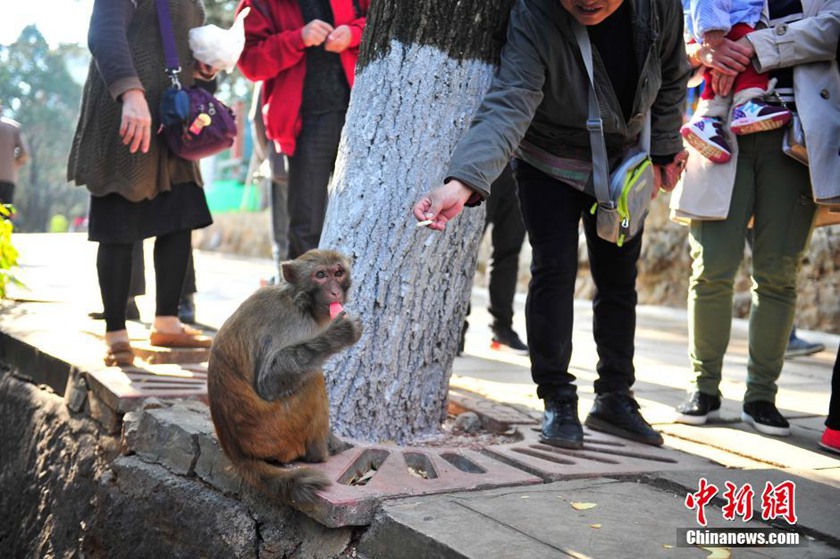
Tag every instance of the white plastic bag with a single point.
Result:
(217, 47)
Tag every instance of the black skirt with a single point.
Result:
(115, 220)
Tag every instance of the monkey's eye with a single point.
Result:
(339, 273)
(320, 274)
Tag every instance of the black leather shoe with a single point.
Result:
(765, 417)
(561, 425)
(186, 309)
(697, 408)
(617, 413)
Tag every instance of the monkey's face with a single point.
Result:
(330, 284)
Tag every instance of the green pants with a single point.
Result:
(775, 190)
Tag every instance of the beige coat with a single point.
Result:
(810, 45)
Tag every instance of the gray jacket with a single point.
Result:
(539, 92)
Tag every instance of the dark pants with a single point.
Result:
(833, 419)
(114, 266)
(137, 285)
(7, 192)
(552, 211)
(310, 169)
(507, 237)
(279, 208)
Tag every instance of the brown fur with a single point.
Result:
(274, 345)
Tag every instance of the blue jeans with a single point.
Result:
(552, 211)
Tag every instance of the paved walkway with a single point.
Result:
(631, 518)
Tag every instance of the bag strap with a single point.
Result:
(167, 37)
(595, 125)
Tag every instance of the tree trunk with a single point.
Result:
(424, 68)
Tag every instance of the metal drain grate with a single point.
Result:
(364, 476)
(601, 454)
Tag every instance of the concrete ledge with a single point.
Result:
(624, 519)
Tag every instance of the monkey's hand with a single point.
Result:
(344, 331)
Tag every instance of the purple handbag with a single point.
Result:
(209, 128)
(195, 123)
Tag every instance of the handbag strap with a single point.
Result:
(595, 125)
(167, 37)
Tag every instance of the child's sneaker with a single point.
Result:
(706, 136)
(756, 115)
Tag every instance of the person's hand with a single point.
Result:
(667, 176)
(136, 122)
(205, 72)
(714, 38)
(442, 204)
(339, 39)
(721, 83)
(729, 57)
(315, 32)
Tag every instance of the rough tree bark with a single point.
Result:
(424, 68)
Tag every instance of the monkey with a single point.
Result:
(265, 383)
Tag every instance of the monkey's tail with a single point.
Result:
(296, 486)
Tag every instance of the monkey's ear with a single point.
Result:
(289, 272)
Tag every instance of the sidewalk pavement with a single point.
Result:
(625, 515)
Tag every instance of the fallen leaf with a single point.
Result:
(667, 546)
(596, 526)
(717, 552)
(583, 506)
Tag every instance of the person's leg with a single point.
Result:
(507, 235)
(186, 302)
(172, 253)
(750, 112)
(784, 217)
(833, 419)
(830, 439)
(613, 268)
(551, 212)
(279, 208)
(717, 248)
(310, 169)
(798, 347)
(7, 192)
(113, 266)
(171, 256)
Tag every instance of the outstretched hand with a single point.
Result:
(442, 204)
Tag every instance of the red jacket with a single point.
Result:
(274, 54)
